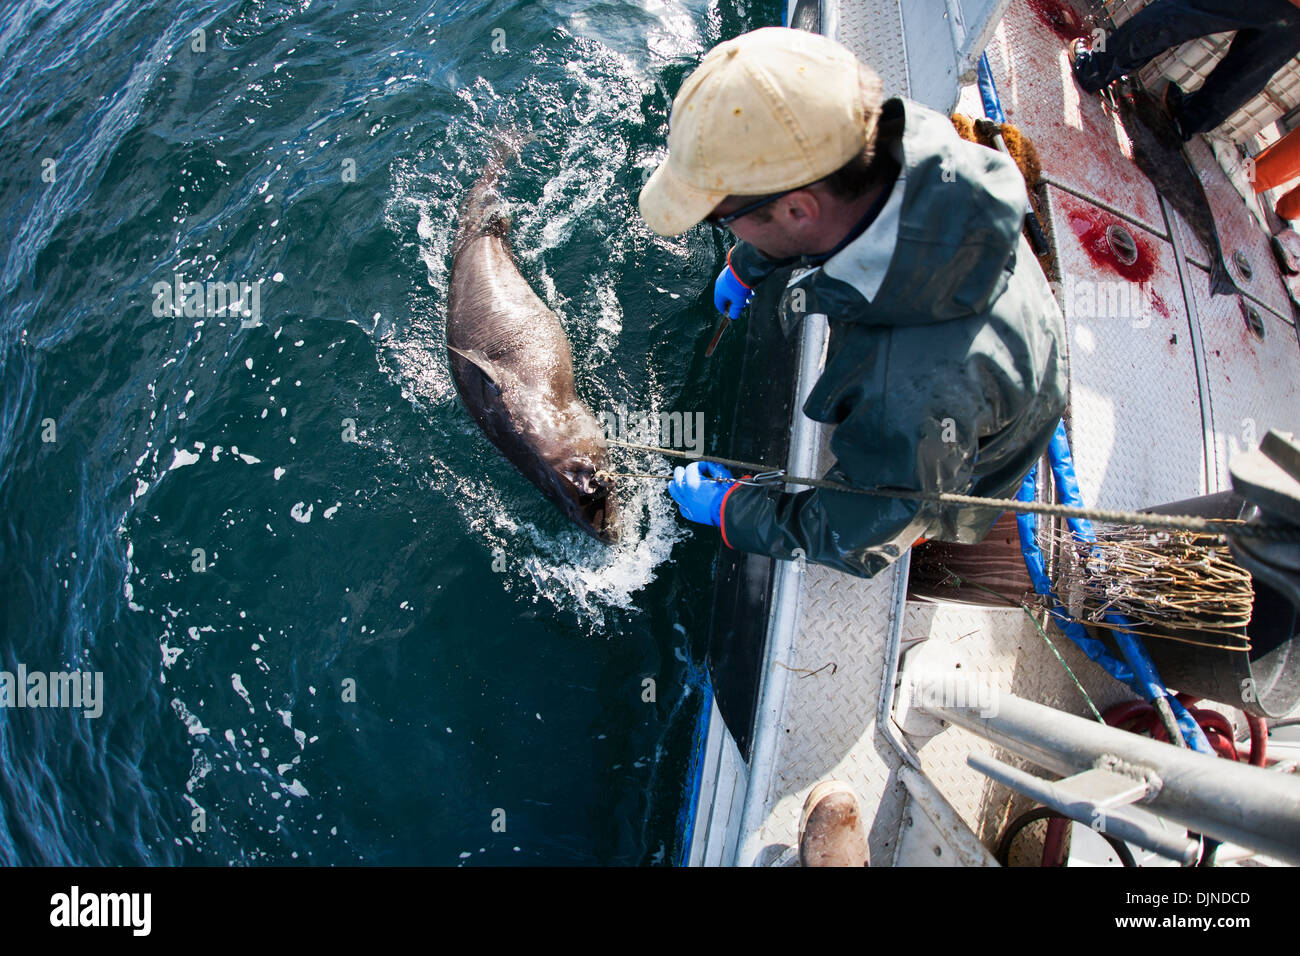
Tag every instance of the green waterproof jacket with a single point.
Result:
(944, 368)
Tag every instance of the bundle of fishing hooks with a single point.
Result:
(1178, 585)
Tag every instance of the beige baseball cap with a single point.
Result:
(771, 110)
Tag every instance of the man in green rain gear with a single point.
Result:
(944, 367)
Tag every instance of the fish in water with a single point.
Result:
(1159, 153)
(513, 366)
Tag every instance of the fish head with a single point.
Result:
(586, 495)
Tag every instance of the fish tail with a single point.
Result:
(507, 144)
(484, 211)
(1221, 281)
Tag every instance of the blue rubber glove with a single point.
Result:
(730, 295)
(697, 494)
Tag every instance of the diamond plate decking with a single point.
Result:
(1082, 148)
(1254, 384)
(1135, 412)
(829, 727)
(874, 31)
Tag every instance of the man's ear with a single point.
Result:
(804, 208)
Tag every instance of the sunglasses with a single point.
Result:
(759, 203)
(729, 218)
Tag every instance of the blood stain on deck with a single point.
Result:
(1091, 228)
(1059, 18)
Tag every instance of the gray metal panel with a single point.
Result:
(944, 40)
(873, 30)
(828, 718)
(1254, 385)
(722, 853)
(1188, 277)
(932, 59)
(722, 790)
(933, 833)
(979, 19)
(1135, 411)
(722, 778)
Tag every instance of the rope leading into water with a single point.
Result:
(1220, 526)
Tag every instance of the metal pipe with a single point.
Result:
(1121, 823)
(1230, 801)
(893, 650)
(783, 618)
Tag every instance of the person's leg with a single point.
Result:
(1251, 61)
(1165, 24)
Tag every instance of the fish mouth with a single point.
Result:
(598, 523)
(591, 500)
(599, 511)
(604, 518)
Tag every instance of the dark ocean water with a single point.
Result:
(305, 645)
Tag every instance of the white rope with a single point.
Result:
(1219, 526)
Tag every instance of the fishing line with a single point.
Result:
(766, 476)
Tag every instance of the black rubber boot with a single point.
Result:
(1174, 107)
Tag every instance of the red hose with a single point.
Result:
(1122, 713)
(1223, 746)
(1054, 852)
(1212, 718)
(1258, 739)
(1139, 717)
